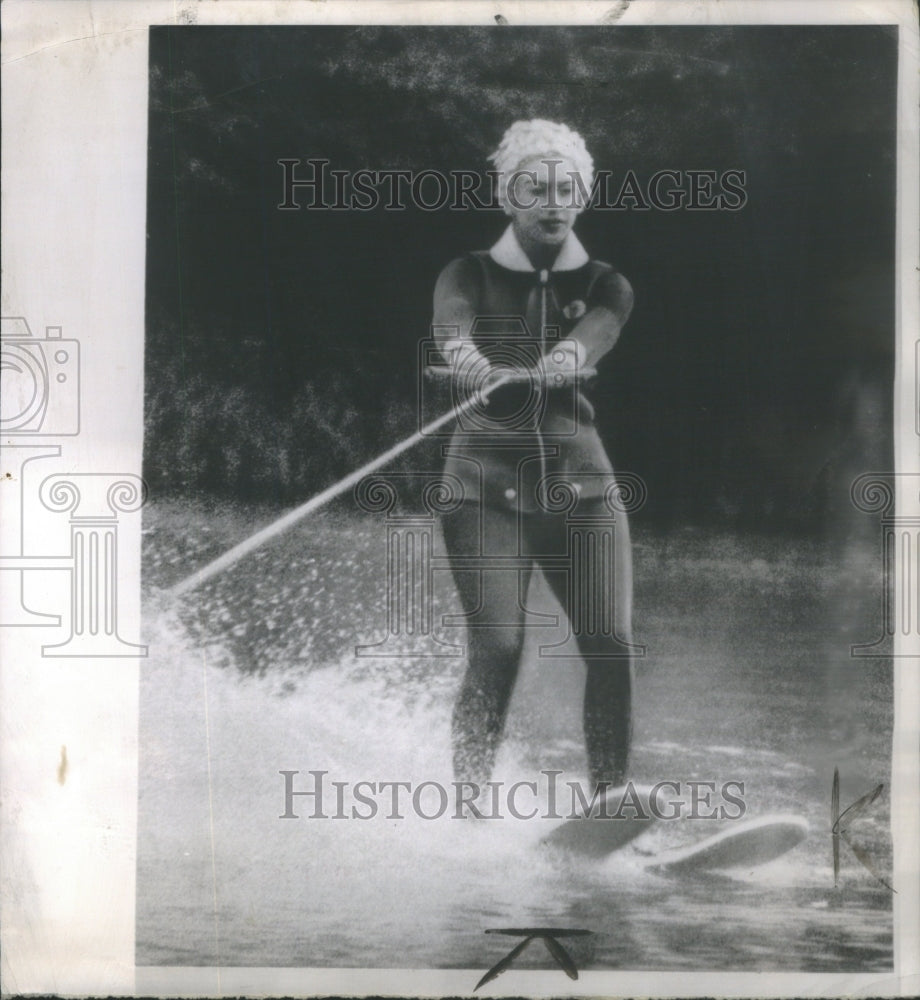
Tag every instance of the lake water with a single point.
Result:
(747, 678)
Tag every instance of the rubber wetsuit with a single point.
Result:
(530, 462)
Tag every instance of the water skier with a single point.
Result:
(494, 314)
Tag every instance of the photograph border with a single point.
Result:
(75, 89)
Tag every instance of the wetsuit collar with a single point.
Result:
(507, 252)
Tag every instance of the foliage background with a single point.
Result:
(754, 379)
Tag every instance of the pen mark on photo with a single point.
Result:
(548, 935)
(615, 13)
(840, 824)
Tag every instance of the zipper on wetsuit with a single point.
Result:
(544, 280)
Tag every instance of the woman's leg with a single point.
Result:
(608, 718)
(493, 602)
(600, 619)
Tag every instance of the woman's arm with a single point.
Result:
(456, 294)
(610, 304)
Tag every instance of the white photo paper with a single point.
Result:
(461, 497)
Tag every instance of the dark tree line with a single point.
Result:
(752, 381)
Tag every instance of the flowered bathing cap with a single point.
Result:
(538, 137)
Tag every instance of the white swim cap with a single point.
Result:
(538, 137)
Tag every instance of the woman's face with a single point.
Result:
(542, 200)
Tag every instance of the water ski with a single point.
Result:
(743, 845)
(611, 822)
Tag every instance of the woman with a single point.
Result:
(524, 323)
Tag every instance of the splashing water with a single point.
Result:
(223, 879)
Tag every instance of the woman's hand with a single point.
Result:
(561, 366)
(466, 367)
(564, 364)
(472, 371)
